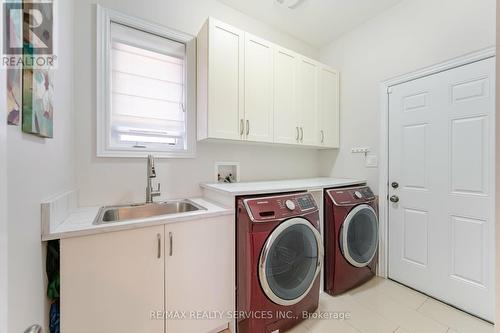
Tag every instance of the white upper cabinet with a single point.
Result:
(286, 111)
(220, 81)
(329, 116)
(308, 101)
(258, 78)
(250, 89)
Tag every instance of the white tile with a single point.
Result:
(361, 317)
(401, 314)
(388, 288)
(456, 319)
(300, 328)
(402, 330)
(329, 326)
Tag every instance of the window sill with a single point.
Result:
(144, 154)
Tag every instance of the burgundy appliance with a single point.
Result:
(279, 254)
(351, 238)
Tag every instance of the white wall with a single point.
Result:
(3, 200)
(104, 180)
(497, 178)
(407, 37)
(38, 168)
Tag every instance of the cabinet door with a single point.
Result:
(200, 272)
(258, 89)
(112, 282)
(328, 108)
(286, 122)
(225, 97)
(308, 101)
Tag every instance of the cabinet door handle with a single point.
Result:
(248, 126)
(298, 135)
(301, 134)
(322, 136)
(158, 238)
(171, 240)
(242, 127)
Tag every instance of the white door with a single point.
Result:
(441, 152)
(308, 101)
(286, 120)
(200, 273)
(226, 60)
(258, 89)
(329, 119)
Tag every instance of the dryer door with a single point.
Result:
(290, 261)
(359, 236)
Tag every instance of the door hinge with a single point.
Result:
(389, 90)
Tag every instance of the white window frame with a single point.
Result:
(103, 105)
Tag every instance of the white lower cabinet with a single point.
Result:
(200, 273)
(166, 278)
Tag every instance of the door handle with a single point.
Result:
(322, 136)
(242, 127)
(395, 184)
(171, 246)
(248, 127)
(394, 198)
(301, 134)
(158, 238)
(298, 134)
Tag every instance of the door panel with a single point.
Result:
(286, 110)
(415, 240)
(329, 127)
(225, 81)
(441, 148)
(469, 143)
(308, 94)
(258, 89)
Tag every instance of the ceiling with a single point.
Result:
(317, 22)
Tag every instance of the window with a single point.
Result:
(145, 89)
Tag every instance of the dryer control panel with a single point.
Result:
(280, 207)
(351, 196)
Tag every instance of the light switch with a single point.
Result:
(371, 161)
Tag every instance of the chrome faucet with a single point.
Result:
(151, 173)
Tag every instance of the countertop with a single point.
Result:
(276, 186)
(79, 221)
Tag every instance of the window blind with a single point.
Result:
(147, 90)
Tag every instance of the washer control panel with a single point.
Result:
(280, 207)
(306, 202)
(290, 204)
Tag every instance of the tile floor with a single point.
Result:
(384, 306)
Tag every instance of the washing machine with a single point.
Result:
(279, 255)
(350, 237)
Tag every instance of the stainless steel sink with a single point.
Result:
(112, 214)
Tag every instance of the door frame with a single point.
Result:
(385, 90)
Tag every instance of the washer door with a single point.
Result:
(290, 261)
(359, 236)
